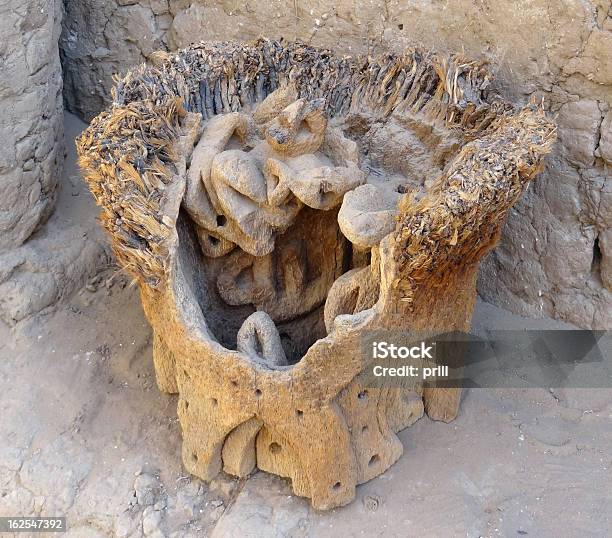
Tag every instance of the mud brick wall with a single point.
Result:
(31, 123)
(45, 252)
(555, 258)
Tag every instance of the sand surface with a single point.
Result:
(85, 433)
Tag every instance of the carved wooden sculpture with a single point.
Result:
(274, 202)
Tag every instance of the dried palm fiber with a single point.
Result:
(127, 155)
(460, 218)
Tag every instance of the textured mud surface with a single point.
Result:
(31, 122)
(85, 430)
(60, 256)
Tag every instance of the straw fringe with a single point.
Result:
(460, 218)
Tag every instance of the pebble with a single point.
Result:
(146, 487)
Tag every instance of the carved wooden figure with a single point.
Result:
(275, 202)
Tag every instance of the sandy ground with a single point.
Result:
(85, 433)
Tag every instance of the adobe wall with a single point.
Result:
(31, 123)
(49, 242)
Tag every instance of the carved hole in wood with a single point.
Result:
(374, 460)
